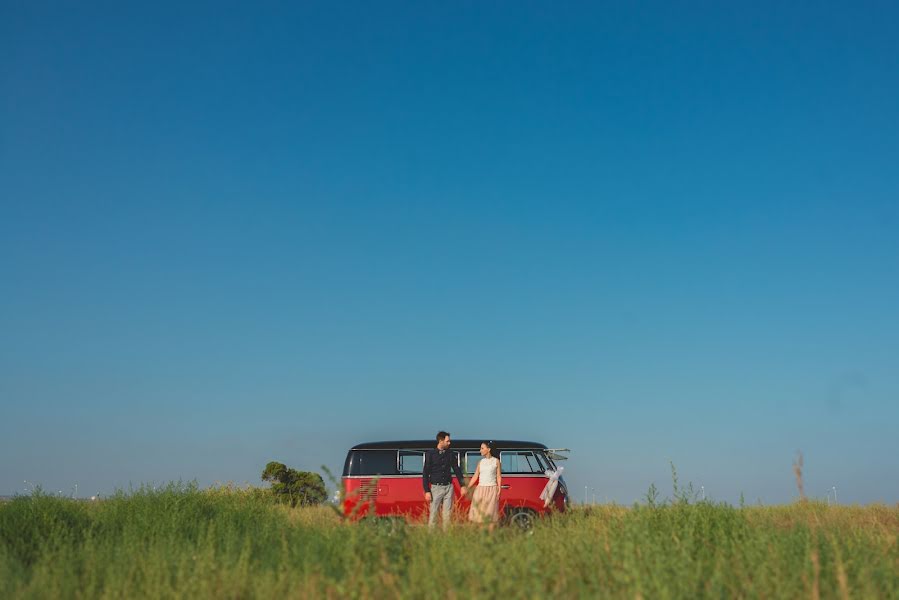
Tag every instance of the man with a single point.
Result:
(438, 481)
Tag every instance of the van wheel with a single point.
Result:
(522, 519)
(386, 525)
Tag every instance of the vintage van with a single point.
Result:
(384, 479)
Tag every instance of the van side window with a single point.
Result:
(411, 462)
(521, 461)
(373, 462)
(471, 462)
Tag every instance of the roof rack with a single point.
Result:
(458, 445)
(553, 453)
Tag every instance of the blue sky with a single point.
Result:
(651, 233)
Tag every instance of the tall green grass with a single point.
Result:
(184, 542)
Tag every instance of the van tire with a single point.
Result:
(385, 525)
(521, 518)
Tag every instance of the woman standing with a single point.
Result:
(489, 477)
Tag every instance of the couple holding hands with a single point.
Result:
(439, 462)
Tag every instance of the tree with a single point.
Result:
(295, 487)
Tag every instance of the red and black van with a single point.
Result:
(383, 479)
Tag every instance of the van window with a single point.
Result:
(373, 462)
(521, 461)
(412, 462)
(471, 461)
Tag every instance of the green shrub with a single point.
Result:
(295, 487)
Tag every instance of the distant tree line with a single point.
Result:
(296, 488)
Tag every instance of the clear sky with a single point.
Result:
(237, 233)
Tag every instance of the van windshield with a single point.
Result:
(547, 460)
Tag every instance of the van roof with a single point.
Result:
(456, 444)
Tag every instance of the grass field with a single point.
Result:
(184, 542)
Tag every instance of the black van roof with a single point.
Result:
(456, 444)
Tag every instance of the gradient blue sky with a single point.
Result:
(234, 233)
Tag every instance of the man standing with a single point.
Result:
(438, 481)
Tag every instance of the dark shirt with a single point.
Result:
(437, 468)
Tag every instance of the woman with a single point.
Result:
(489, 477)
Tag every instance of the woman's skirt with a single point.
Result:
(485, 504)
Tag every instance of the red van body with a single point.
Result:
(384, 479)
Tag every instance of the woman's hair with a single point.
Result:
(492, 445)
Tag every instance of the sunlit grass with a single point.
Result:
(180, 541)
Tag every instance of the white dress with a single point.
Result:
(488, 467)
(485, 502)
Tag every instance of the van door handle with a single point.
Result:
(505, 487)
